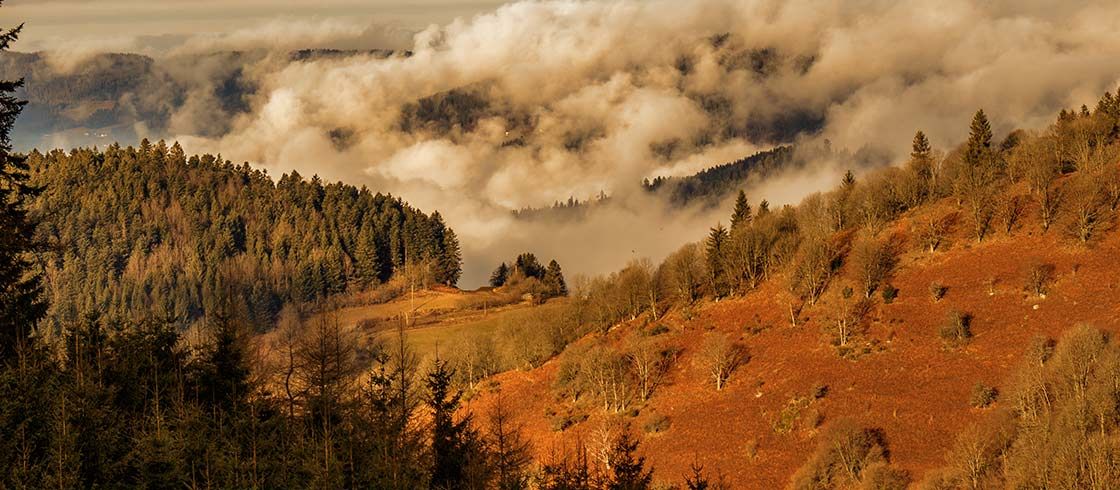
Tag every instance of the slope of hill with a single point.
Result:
(146, 231)
(902, 305)
(913, 384)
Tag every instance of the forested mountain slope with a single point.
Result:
(947, 323)
(136, 232)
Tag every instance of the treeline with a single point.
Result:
(140, 231)
(711, 185)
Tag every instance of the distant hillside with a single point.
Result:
(708, 187)
(120, 97)
(148, 231)
(712, 185)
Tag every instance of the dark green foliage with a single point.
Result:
(20, 282)
(500, 275)
(712, 184)
(142, 227)
(527, 266)
(628, 470)
(457, 450)
(553, 281)
(715, 249)
(741, 216)
(889, 294)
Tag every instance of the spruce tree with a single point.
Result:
(21, 306)
(741, 216)
(500, 275)
(455, 444)
(554, 280)
(627, 469)
(367, 261)
(715, 247)
(921, 149)
(979, 140)
(450, 261)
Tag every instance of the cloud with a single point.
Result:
(538, 101)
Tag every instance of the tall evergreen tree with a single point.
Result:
(741, 216)
(500, 275)
(979, 146)
(451, 259)
(628, 470)
(554, 280)
(716, 248)
(21, 306)
(456, 449)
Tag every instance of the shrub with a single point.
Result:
(937, 290)
(658, 329)
(657, 424)
(957, 327)
(889, 294)
(560, 422)
(982, 395)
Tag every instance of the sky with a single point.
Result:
(160, 25)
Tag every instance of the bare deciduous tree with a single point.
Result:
(721, 356)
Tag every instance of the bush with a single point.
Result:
(889, 294)
(937, 290)
(658, 329)
(957, 327)
(657, 423)
(982, 395)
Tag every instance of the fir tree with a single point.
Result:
(554, 280)
(741, 216)
(455, 444)
(715, 248)
(500, 275)
(979, 146)
(21, 306)
(451, 259)
(627, 469)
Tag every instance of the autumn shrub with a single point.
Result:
(889, 294)
(957, 327)
(982, 395)
(937, 290)
(656, 424)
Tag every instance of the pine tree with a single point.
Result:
(627, 469)
(715, 248)
(763, 208)
(455, 444)
(979, 146)
(500, 275)
(367, 261)
(21, 306)
(554, 280)
(741, 216)
(921, 148)
(450, 261)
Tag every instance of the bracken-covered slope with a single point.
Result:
(903, 377)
